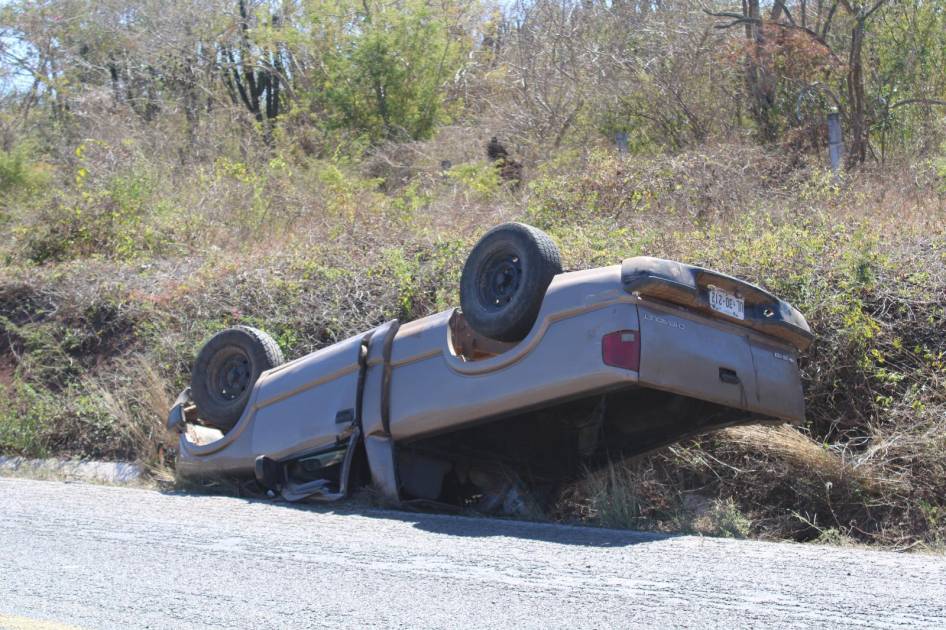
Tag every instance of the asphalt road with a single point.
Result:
(105, 557)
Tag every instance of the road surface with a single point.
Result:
(88, 556)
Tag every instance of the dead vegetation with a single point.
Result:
(98, 347)
(730, 483)
(144, 208)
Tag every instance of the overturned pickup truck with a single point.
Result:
(541, 373)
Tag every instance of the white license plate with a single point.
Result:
(727, 303)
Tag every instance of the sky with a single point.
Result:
(9, 80)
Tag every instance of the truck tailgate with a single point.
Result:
(718, 362)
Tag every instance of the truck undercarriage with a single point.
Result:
(538, 451)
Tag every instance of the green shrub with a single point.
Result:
(24, 416)
(19, 173)
(313, 252)
(481, 179)
(112, 220)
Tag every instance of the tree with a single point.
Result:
(909, 52)
(768, 45)
(857, 101)
(254, 72)
(383, 68)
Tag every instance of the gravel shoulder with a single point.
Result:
(109, 557)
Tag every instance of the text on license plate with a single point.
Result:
(727, 303)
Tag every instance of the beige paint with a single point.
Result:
(292, 409)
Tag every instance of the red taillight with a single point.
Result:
(622, 349)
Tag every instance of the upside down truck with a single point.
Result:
(540, 373)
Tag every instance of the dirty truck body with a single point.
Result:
(662, 342)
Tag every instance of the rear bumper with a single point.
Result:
(687, 285)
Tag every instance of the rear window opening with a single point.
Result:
(533, 454)
(469, 345)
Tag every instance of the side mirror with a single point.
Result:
(177, 419)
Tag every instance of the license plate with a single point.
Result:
(727, 303)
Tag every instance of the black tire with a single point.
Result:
(505, 278)
(226, 369)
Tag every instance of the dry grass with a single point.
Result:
(837, 464)
(772, 482)
(138, 402)
(629, 494)
(96, 341)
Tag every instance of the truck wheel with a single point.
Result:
(226, 369)
(505, 278)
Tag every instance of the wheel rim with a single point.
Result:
(231, 374)
(500, 280)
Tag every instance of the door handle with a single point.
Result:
(728, 376)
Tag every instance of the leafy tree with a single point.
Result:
(906, 80)
(384, 67)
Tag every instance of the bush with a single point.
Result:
(101, 335)
(873, 452)
(23, 419)
(19, 174)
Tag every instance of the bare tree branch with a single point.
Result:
(918, 101)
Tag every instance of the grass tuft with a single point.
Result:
(112, 279)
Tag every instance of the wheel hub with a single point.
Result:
(233, 377)
(503, 276)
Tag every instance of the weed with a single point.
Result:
(140, 265)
